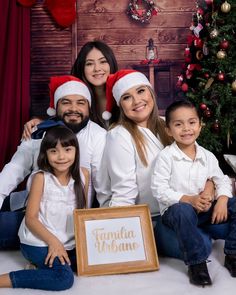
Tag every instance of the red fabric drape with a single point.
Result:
(14, 75)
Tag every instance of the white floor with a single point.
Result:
(170, 279)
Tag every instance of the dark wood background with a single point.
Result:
(54, 49)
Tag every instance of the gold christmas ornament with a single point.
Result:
(214, 33)
(225, 7)
(209, 82)
(234, 85)
(221, 54)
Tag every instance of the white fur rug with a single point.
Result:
(170, 279)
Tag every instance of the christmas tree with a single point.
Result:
(208, 78)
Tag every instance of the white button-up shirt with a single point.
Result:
(175, 175)
(123, 179)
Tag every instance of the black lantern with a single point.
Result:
(151, 51)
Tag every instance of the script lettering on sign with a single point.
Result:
(117, 241)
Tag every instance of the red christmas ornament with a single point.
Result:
(221, 76)
(198, 43)
(206, 75)
(200, 11)
(224, 44)
(203, 106)
(184, 87)
(215, 126)
(191, 67)
(207, 113)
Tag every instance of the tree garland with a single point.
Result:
(140, 14)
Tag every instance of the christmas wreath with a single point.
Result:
(142, 13)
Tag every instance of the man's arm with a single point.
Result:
(18, 168)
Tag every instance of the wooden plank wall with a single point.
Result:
(54, 49)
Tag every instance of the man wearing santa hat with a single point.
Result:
(70, 101)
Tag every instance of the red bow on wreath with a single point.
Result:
(62, 11)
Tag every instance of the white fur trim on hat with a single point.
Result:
(128, 81)
(70, 88)
(106, 115)
(51, 112)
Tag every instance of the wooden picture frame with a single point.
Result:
(115, 240)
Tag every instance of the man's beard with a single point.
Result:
(75, 127)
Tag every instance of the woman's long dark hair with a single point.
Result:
(66, 137)
(78, 71)
(79, 64)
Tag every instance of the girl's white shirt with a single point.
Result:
(55, 213)
(91, 138)
(123, 179)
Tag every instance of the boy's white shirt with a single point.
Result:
(175, 175)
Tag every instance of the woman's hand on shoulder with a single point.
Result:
(29, 128)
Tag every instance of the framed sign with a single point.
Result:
(114, 240)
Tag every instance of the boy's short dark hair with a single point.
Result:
(178, 104)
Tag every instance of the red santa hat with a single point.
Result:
(117, 84)
(61, 86)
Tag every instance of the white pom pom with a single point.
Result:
(106, 115)
(51, 112)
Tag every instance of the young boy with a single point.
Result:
(180, 174)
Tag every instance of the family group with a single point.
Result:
(105, 145)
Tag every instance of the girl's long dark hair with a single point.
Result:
(66, 137)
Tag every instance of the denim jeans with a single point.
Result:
(11, 215)
(191, 228)
(57, 278)
(167, 242)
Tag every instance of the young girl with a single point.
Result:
(46, 233)
(180, 174)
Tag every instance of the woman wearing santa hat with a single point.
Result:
(131, 149)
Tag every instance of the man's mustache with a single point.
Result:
(73, 113)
